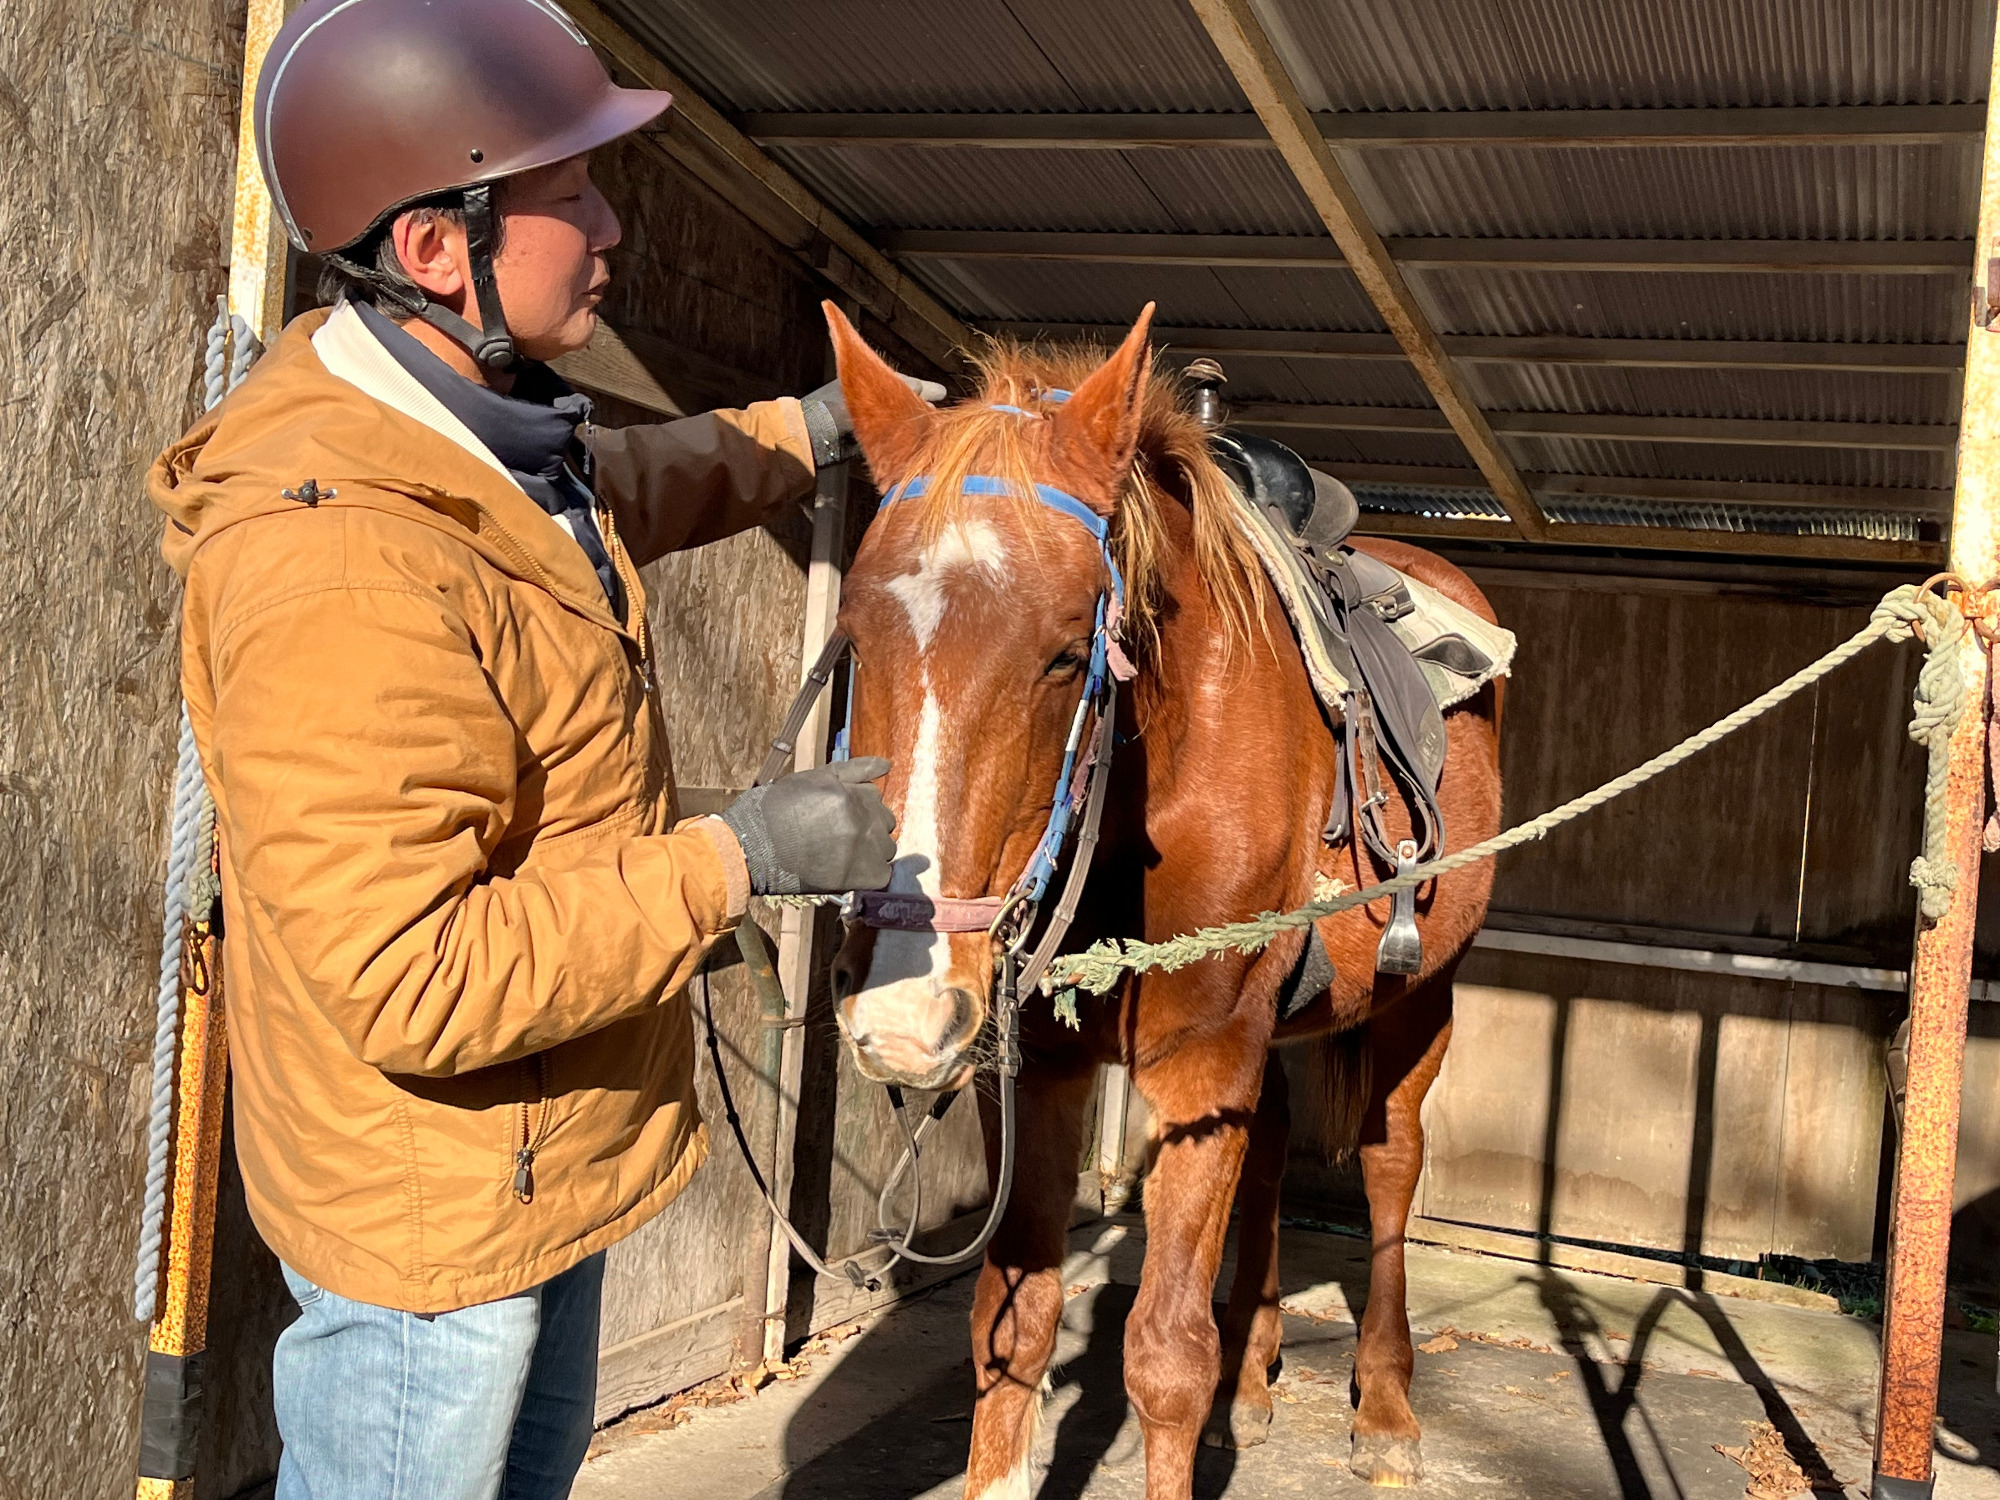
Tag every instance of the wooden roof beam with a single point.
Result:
(1739, 354)
(1662, 539)
(697, 136)
(1248, 54)
(1822, 125)
(1932, 503)
(1440, 252)
(1760, 432)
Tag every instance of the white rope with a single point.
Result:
(191, 889)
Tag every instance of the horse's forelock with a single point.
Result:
(1172, 466)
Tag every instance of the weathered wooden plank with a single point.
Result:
(1824, 125)
(1441, 252)
(1466, 348)
(1648, 1108)
(1913, 437)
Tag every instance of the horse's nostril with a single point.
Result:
(843, 981)
(964, 1010)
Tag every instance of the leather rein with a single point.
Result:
(1008, 919)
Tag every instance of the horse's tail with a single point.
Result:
(1347, 1071)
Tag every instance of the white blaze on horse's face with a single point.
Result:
(921, 1001)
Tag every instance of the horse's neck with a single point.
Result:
(1209, 703)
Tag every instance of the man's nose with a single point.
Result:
(608, 230)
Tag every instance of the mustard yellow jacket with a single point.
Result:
(458, 915)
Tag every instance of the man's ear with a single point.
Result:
(1097, 429)
(891, 421)
(432, 255)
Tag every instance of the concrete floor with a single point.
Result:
(1563, 1386)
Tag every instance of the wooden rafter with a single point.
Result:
(1738, 354)
(1934, 503)
(1248, 53)
(1913, 437)
(1663, 539)
(1871, 124)
(1442, 252)
(702, 140)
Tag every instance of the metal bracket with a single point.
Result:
(1401, 950)
(1887, 1488)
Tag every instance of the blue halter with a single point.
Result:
(1107, 661)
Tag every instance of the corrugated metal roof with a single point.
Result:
(1454, 503)
(1631, 54)
(1430, 55)
(1792, 192)
(965, 187)
(1772, 395)
(921, 55)
(1716, 305)
(1615, 459)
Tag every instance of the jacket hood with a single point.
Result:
(294, 433)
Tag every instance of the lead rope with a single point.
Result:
(191, 891)
(1939, 702)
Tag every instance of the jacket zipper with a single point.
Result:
(533, 1132)
(629, 575)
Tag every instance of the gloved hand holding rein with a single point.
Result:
(832, 429)
(819, 832)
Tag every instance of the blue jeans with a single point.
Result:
(488, 1402)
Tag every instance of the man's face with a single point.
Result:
(551, 268)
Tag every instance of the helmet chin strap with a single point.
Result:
(491, 344)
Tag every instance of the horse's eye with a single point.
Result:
(1070, 659)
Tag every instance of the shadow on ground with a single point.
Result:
(1499, 1420)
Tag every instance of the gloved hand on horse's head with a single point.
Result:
(819, 832)
(831, 427)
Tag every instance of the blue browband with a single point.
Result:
(1107, 661)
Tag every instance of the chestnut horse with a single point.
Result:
(972, 619)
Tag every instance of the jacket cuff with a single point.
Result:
(735, 870)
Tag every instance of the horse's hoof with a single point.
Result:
(1241, 1424)
(1393, 1463)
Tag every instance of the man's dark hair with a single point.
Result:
(369, 271)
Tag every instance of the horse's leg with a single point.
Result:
(1017, 1306)
(1203, 1097)
(1407, 1044)
(1252, 1326)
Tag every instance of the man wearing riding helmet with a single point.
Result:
(458, 912)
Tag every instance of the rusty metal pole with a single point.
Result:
(1920, 1226)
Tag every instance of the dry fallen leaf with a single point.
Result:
(1559, 1375)
(1773, 1474)
(1512, 1390)
(1444, 1343)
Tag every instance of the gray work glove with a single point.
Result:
(832, 429)
(819, 832)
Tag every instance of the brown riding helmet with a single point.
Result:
(366, 106)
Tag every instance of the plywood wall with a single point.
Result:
(118, 122)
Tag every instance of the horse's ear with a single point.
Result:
(1097, 429)
(891, 421)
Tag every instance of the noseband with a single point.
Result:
(1008, 919)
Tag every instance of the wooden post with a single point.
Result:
(795, 935)
(1920, 1228)
(172, 1411)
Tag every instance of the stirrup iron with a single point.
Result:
(1401, 950)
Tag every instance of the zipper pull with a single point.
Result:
(524, 1174)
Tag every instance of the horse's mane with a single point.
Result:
(1172, 467)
